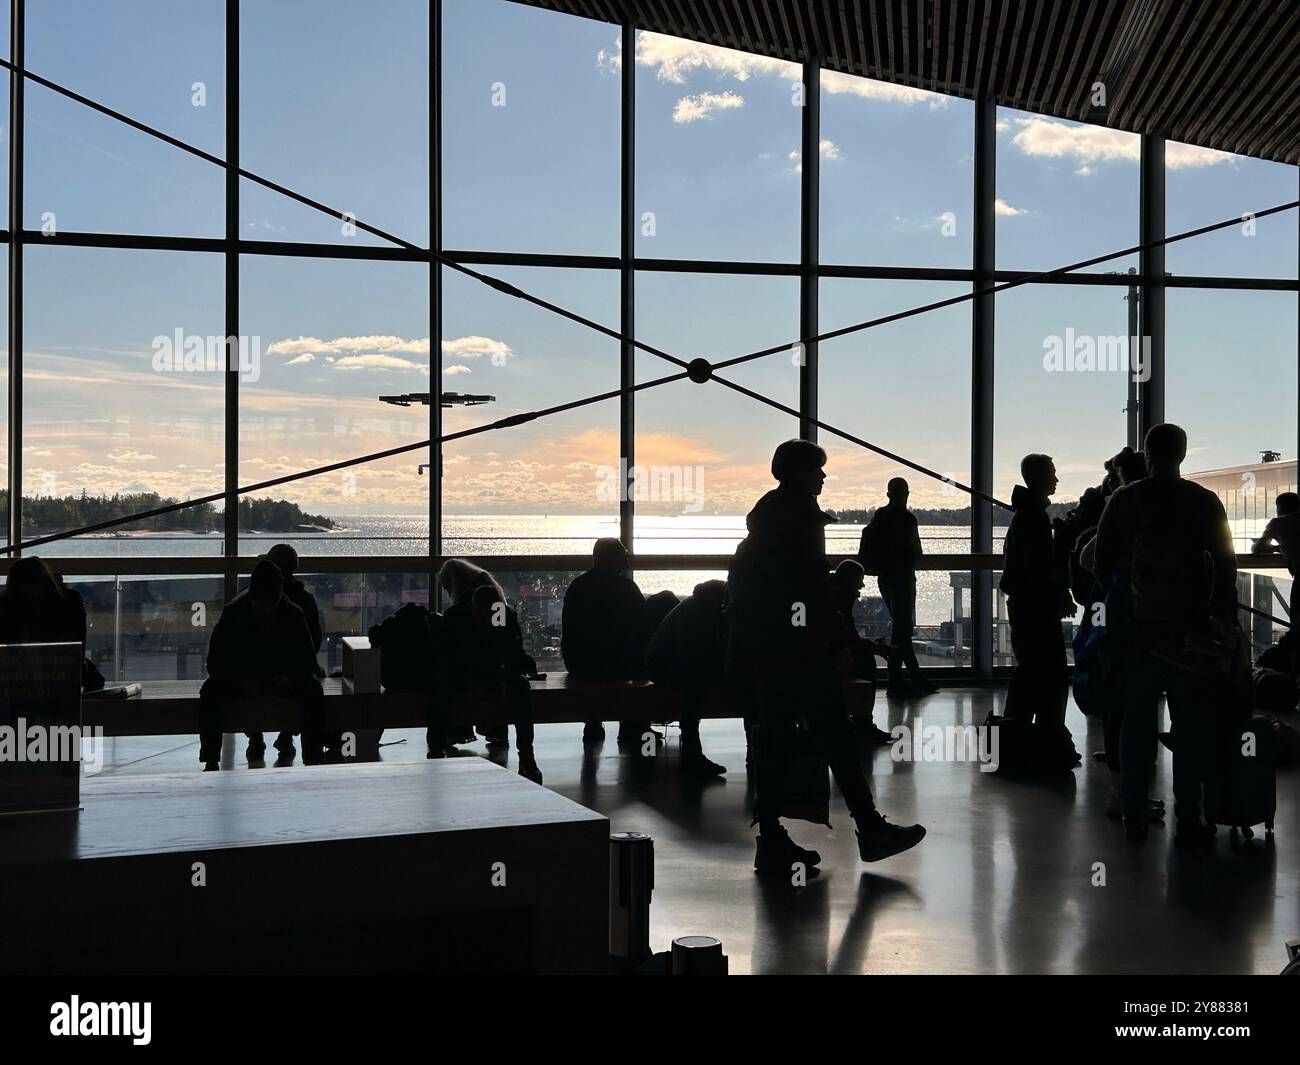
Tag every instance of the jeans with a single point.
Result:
(217, 692)
(1191, 700)
(898, 590)
(781, 699)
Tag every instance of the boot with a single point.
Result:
(528, 767)
(878, 839)
(777, 853)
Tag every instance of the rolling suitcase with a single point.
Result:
(1242, 790)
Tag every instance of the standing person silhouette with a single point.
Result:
(1167, 540)
(1037, 599)
(890, 547)
(786, 640)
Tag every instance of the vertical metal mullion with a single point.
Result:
(17, 19)
(627, 290)
(809, 243)
(984, 261)
(231, 549)
(1151, 307)
(435, 283)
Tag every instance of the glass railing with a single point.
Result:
(150, 618)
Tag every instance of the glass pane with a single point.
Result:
(530, 130)
(335, 105)
(1062, 379)
(1231, 365)
(704, 452)
(905, 387)
(1203, 187)
(157, 61)
(717, 143)
(896, 174)
(1067, 191)
(548, 486)
(334, 336)
(123, 395)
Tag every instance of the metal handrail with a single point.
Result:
(163, 565)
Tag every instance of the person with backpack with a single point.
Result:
(786, 643)
(889, 548)
(1166, 540)
(1037, 599)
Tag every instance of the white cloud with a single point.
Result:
(451, 371)
(674, 59)
(351, 345)
(1053, 139)
(829, 149)
(1004, 210)
(301, 359)
(1190, 156)
(693, 108)
(472, 347)
(838, 84)
(375, 362)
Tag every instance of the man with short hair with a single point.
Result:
(890, 547)
(1037, 599)
(260, 646)
(1282, 533)
(1168, 541)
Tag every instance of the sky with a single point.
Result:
(334, 103)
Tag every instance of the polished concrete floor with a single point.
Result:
(1013, 877)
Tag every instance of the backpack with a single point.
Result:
(408, 658)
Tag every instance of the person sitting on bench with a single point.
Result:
(286, 559)
(485, 646)
(261, 647)
(605, 629)
(37, 607)
(687, 653)
(846, 585)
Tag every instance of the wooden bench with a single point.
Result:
(171, 708)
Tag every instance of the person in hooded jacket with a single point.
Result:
(1037, 599)
(787, 641)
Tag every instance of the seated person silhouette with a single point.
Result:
(846, 585)
(605, 628)
(37, 607)
(485, 646)
(261, 646)
(687, 653)
(412, 647)
(1282, 533)
(286, 559)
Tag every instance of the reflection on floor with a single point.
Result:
(1012, 878)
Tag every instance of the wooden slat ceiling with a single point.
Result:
(1217, 73)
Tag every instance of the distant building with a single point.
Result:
(1248, 494)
